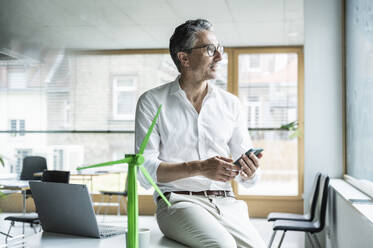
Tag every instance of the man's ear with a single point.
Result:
(183, 58)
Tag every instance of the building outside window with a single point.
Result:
(17, 125)
(124, 97)
(21, 154)
(58, 159)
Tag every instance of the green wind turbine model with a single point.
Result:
(134, 161)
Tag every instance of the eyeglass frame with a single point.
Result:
(216, 48)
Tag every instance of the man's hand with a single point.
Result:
(219, 169)
(249, 165)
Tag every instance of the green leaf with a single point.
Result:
(150, 180)
(290, 126)
(150, 130)
(2, 161)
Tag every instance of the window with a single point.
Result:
(254, 62)
(124, 97)
(358, 93)
(21, 154)
(22, 127)
(13, 127)
(17, 125)
(269, 95)
(17, 77)
(81, 110)
(58, 159)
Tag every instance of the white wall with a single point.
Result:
(323, 90)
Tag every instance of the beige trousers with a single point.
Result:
(213, 221)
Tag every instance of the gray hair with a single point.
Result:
(184, 37)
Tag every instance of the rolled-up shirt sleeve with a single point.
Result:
(145, 112)
(240, 142)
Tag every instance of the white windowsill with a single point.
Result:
(348, 192)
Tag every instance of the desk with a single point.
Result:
(17, 185)
(51, 240)
(84, 176)
(56, 240)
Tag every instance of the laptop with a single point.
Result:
(67, 208)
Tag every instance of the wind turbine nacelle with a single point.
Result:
(137, 159)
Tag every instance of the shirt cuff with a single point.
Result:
(249, 182)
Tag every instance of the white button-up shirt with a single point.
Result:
(181, 134)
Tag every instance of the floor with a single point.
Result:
(292, 239)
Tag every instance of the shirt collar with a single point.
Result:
(175, 87)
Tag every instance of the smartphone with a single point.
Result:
(256, 152)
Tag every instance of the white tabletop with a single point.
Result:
(45, 239)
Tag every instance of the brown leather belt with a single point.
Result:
(205, 193)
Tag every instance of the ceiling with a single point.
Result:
(130, 24)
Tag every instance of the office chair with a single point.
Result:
(33, 218)
(31, 165)
(308, 216)
(121, 196)
(309, 227)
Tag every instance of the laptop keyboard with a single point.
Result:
(108, 231)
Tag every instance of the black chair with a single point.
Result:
(31, 165)
(308, 216)
(33, 218)
(309, 227)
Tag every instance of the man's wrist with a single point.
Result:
(193, 168)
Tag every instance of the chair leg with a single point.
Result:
(107, 208)
(6, 238)
(316, 239)
(3, 233)
(118, 208)
(282, 238)
(272, 238)
(310, 239)
(124, 204)
(100, 206)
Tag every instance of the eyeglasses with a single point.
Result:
(211, 49)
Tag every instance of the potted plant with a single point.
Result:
(293, 127)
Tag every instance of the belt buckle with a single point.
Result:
(225, 193)
(205, 193)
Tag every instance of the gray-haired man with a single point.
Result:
(188, 153)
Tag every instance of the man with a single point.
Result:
(188, 152)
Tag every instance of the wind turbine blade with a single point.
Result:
(150, 130)
(149, 178)
(121, 161)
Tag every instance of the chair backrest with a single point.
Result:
(314, 194)
(320, 211)
(31, 165)
(55, 176)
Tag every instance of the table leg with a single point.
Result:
(24, 208)
(91, 184)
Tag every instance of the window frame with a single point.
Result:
(261, 205)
